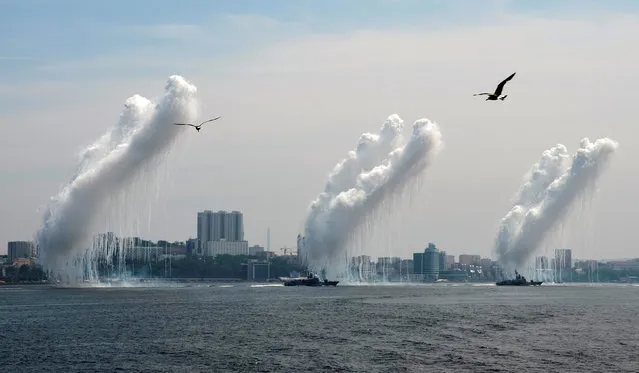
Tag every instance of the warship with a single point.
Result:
(519, 281)
(310, 280)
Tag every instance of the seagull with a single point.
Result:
(500, 87)
(197, 128)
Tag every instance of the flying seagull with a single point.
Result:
(199, 125)
(500, 87)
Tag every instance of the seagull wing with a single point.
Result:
(501, 85)
(210, 120)
(480, 94)
(184, 124)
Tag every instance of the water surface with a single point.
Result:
(248, 328)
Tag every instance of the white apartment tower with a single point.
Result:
(220, 225)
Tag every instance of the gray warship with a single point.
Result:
(519, 281)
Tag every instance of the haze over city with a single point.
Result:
(297, 83)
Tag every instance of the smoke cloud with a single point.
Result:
(116, 161)
(550, 189)
(379, 169)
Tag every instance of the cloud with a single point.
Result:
(145, 61)
(518, 41)
(291, 90)
(179, 32)
(14, 58)
(233, 42)
(253, 22)
(162, 49)
(567, 87)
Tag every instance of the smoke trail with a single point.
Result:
(136, 110)
(108, 167)
(378, 169)
(551, 188)
(537, 180)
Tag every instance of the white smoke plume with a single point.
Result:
(380, 168)
(116, 161)
(544, 200)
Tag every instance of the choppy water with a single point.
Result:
(243, 328)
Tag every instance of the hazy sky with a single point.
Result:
(298, 81)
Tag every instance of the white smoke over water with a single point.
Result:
(112, 176)
(381, 167)
(550, 190)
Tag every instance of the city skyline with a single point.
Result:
(431, 265)
(271, 72)
(465, 257)
(228, 225)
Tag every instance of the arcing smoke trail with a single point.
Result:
(379, 168)
(551, 187)
(143, 135)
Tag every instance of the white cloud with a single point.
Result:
(164, 31)
(252, 22)
(171, 47)
(516, 40)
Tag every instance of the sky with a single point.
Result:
(298, 81)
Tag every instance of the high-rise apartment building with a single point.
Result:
(217, 226)
(563, 265)
(450, 261)
(443, 263)
(20, 249)
(431, 263)
(468, 260)
(418, 263)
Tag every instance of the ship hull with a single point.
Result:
(515, 283)
(309, 282)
